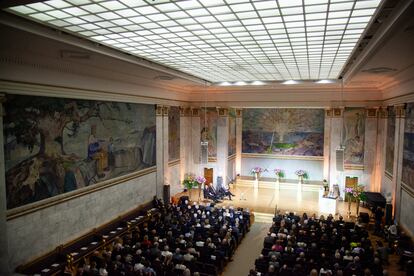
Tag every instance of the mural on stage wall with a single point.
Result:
(208, 126)
(232, 131)
(283, 131)
(55, 145)
(174, 133)
(408, 155)
(354, 136)
(389, 146)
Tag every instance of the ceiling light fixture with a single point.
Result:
(258, 83)
(240, 83)
(224, 83)
(325, 81)
(289, 82)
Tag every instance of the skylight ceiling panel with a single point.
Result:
(255, 32)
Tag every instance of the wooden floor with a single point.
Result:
(287, 197)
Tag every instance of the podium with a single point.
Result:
(327, 205)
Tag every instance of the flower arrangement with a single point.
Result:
(356, 193)
(302, 173)
(189, 181)
(279, 173)
(256, 170)
(200, 180)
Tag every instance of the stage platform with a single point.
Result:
(286, 197)
(284, 184)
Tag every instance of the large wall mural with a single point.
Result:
(354, 136)
(208, 125)
(390, 142)
(232, 131)
(174, 133)
(283, 131)
(55, 145)
(408, 155)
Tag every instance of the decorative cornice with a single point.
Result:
(400, 110)
(223, 112)
(383, 112)
(239, 112)
(353, 167)
(372, 112)
(195, 111)
(174, 162)
(328, 113)
(159, 110)
(165, 110)
(337, 112)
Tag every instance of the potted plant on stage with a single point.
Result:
(302, 175)
(200, 180)
(356, 194)
(279, 174)
(256, 171)
(189, 183)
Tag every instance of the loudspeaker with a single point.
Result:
(204, 153)
(363, 217)
(166, 194)
(388, 214)
(219, 181)
(339, 153)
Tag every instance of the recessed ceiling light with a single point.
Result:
(325, 81)
(258, 83)
(288, 82)
(240, 83)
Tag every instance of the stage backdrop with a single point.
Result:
(354, 135)
(174, 133)
(208, 125)
(408, 156)
(56, 145)
(232, 131)
(283, 131)
(389, 146)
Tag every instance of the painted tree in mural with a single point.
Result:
(39, 123)
(281, 122)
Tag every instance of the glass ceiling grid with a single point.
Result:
(220, 40)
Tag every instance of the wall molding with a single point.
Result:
(285, 157)
(174, 162)
(42, 204)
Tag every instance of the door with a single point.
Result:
(208, 175)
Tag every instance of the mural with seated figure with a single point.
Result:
(56, 145)
(354, 136)
(283, 131)
(408, 155)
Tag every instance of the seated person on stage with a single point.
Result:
(224, 191)
(210, 192)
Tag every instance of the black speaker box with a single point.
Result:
(363, 217)
(388, 214)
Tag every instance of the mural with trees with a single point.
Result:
(389, 146)
(283, 131)
(408, 153)
(57, 145)
(232, 132)
(174, 133)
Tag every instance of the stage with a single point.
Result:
(284, 196)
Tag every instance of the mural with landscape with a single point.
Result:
(408, 155)
(283, 131)
(208, 125)
(174, 133)
(389, 146)
(232, 131)
(354, 136)
(55, 145)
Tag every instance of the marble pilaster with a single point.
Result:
(185, 140)
(336, 177)
(370, 144)
(195, 141)
(239, 129)
(222, 143)
(4, 255)
(159, 121)
(326, 144)
(398, 158)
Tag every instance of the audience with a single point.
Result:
(201, 237)
(318, 246)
